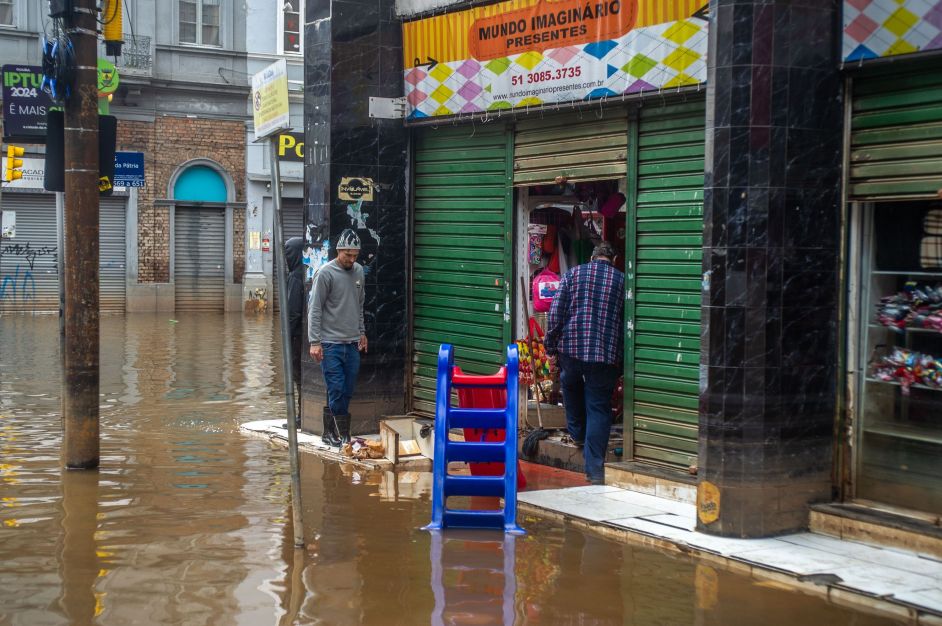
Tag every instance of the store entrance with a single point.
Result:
(899, 356)
(559, 225)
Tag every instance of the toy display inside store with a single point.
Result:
(562, 224)
(900, 430)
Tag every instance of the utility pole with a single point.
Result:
(80, 348)
(286, 347)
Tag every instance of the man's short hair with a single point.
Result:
(604, 249)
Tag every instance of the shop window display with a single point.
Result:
(900, 409)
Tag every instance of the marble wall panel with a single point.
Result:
(772, 232)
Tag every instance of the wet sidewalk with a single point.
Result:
(897, 583)
(904, 584)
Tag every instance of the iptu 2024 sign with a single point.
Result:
(522, 53)
(25, 104)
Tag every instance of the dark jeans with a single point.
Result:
(297, 347)
(341, 365)
(587, 394)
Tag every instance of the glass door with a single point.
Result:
(899, 435)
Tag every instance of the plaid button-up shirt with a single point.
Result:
(586, 320)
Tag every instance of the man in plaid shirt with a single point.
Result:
(585, 331)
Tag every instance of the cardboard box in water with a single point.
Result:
(398, 438)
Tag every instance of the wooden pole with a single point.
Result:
(80, 347)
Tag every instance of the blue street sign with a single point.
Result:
(128, 169)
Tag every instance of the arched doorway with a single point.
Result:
(200, 241)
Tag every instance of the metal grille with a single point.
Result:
(136, 54)
(29, 273)
(896, 136)
(577, 146)
(199, 273)
(664, 353)
(112, 254)
(29, 276)
(462, 254)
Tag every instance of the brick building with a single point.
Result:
(179, 242)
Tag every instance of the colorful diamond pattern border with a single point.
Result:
(882, 28)
(647, 59)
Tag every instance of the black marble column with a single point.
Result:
(352, 51)
(771, 237)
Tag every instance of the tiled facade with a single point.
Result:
(353, 51)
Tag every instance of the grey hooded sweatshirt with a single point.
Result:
(335, 314)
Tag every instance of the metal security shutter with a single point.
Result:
(199, 244)
(292, 224)
(578, 146)
(112, 254)
(667, 242)
(29, 273)
(462, 253)
(292, 217)
(896, 136)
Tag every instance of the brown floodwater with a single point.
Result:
(188, 521)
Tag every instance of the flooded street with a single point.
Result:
(188, 521)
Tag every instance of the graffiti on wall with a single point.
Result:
(314, 257)
(28, 252)
(17, 282)
(18, 286)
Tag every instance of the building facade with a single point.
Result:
(777, 172)
(197, 235)
(275, 34)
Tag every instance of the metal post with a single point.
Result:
(279, 260)
(80, 348)
(60, 261)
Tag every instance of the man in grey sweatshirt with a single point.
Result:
(337, 333)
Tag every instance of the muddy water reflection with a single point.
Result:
(187, 521)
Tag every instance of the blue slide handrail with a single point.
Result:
(442, 484)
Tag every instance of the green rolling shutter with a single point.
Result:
(896, 136)
(462, 252)
(576, 145)
(663, 305)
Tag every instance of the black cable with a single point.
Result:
(114, 14)
(531, 443)
(127, 12)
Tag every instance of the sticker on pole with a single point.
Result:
(270, 99)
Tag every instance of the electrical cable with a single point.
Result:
(114, 15)
(127, 11)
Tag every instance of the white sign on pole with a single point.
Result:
(270, 99)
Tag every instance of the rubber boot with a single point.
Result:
(330, 437)
(343, 425)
